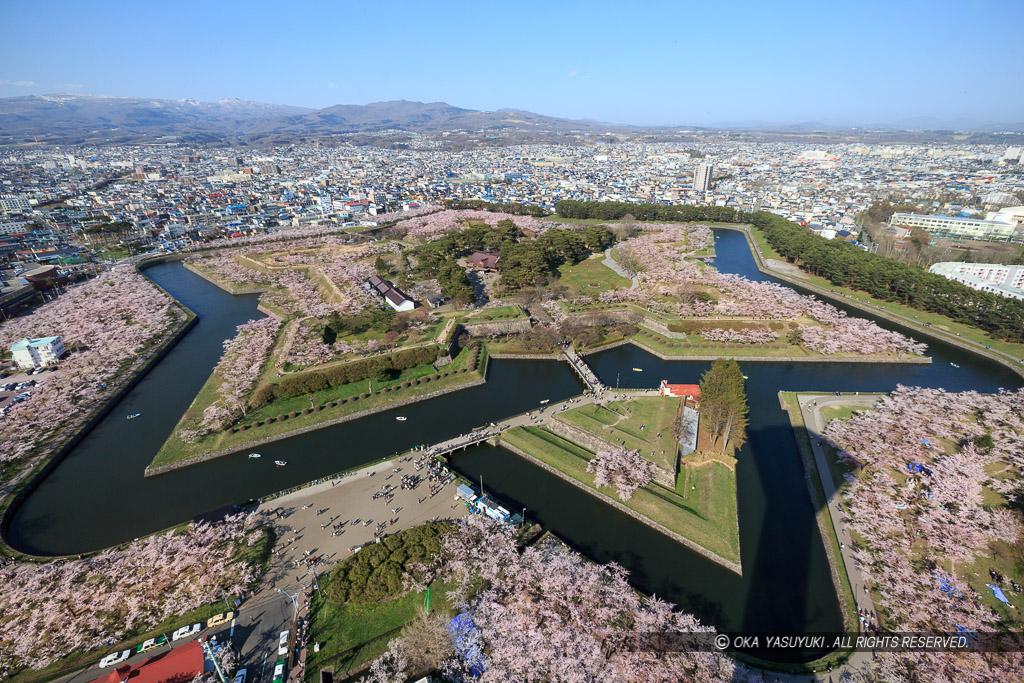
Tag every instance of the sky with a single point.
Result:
(653, 63)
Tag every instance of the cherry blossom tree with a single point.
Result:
(107, 324)
(53, 609)
(546, 613)
(624, 469)
(924, 458)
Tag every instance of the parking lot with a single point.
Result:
(19, 386)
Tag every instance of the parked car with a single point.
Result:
(151, 644)
(219, 619)
(279, 672)
(239, 676)
(115, 658)
(186, 631)
(282, 644)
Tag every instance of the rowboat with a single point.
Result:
(401, 418)
(280, 463)
(954, 365)
(638, 369)
(545, 401)
(133, 416)
(254, 455)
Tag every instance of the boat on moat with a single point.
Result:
(401, 418)
(545, 401)
(254, 455)
(954, 365)
(280, 463)
(133, 416)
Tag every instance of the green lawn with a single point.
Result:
(589, 277)
(175, 450)
(352, 635)
(621, 420)
(498, 313)
(708, 519)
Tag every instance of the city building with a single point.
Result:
(36, 353)
(702, 177)
(484, 260)
(398, 301)
(987, 277)
(182, 663)
(957, 228)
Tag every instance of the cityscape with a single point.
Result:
(315, 382)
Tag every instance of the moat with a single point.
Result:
(98, 496)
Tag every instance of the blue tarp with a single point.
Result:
(466, 639)
(998, 592)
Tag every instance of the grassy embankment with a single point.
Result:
(348, 399)
(922, 318)
(706, 516)
(638, 424)
(351, 635)
(509, 312)
(589, 277)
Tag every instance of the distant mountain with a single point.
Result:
(70, 119)
(87, 118)
(416, 117)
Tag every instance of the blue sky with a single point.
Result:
(671, 63)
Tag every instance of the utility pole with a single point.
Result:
(216, 664)
(294, 603)
(316, 583)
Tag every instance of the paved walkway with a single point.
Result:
(610, 261)
(815, 421)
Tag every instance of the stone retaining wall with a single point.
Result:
(593, 442)
(527, 356)
(728, 564)
(913, 360)
(488, 327)
(220, 285)
(163, 469)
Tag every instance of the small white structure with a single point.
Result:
(37, 353)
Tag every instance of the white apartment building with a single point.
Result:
(36, 353)
(986, 277)
(12, 203)
(956, 228)
(702, 177)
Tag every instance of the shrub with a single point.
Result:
(242, 428)
(435, 377)
(424, 380)
(232, 430)
(255, 425)
(293, 414)
(268, 420)
(405, 385)
(462, 369)
(306, 411)
(280, 418)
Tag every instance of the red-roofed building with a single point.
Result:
(181, 664)
(679, 390)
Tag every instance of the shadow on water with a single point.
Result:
(97, 496)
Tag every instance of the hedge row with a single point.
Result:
(333, 404)
(346, 373)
